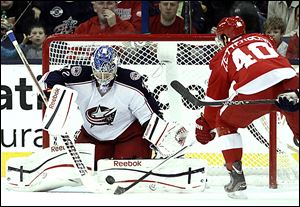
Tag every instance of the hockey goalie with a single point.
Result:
(73, 164)
(116, 108)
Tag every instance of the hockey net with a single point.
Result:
(163, 58)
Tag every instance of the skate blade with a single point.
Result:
(238, 195)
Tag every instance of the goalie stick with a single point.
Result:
(185, 93)
(120, 190)
(78, 164)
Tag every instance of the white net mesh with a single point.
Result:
(190, 67)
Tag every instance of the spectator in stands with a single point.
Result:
(62, 17)
(262, 7)
(286, 10)
(167, 22)
(293, 46)
(215, 11)
(197, 13)
(8, 51)
(249, 13)
(131, 11)
(32, 44)
(275, 27)
(16, 15)
(6, 24)
(106, 21)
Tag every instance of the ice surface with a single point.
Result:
(213, 196)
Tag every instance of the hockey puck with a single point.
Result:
(110, 179)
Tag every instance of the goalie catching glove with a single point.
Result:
(167, 137)
(288, 101)
(203, 131)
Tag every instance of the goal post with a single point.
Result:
(161, 58)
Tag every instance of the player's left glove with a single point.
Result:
(203, 131)
(288, 101)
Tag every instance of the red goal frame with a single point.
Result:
(159, 37)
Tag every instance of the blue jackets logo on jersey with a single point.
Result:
(100, 115)
(76, 70)
(135, 75)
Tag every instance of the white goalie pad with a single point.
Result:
(47, 169)
(167, 137)
(60, 105)
(177, 175)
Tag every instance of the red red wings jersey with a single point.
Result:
(251, 62)
(248, 64)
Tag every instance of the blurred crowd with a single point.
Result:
(33, 21)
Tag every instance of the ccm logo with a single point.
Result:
(54, 97)
(127, 163)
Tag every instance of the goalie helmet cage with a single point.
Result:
(161, 59)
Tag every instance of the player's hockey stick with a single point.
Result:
(78, 164)
(185, 93)
(120, 190)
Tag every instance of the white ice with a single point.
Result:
(213, 196)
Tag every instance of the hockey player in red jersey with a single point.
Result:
(250, 65)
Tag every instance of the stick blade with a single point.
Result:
(177, 86)
(119, 190)
(185, 93)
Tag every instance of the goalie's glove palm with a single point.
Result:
(167, 138)
(173, 140)
(203, 131)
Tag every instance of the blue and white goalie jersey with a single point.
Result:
(106, 117)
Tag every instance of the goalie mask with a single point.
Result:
(228, 29)
(104, 63)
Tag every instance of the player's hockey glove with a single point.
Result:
(288, 101)
(203, 131)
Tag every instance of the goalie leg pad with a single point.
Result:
(45, 170)
(177, 175)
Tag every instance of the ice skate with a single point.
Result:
(237, 185)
